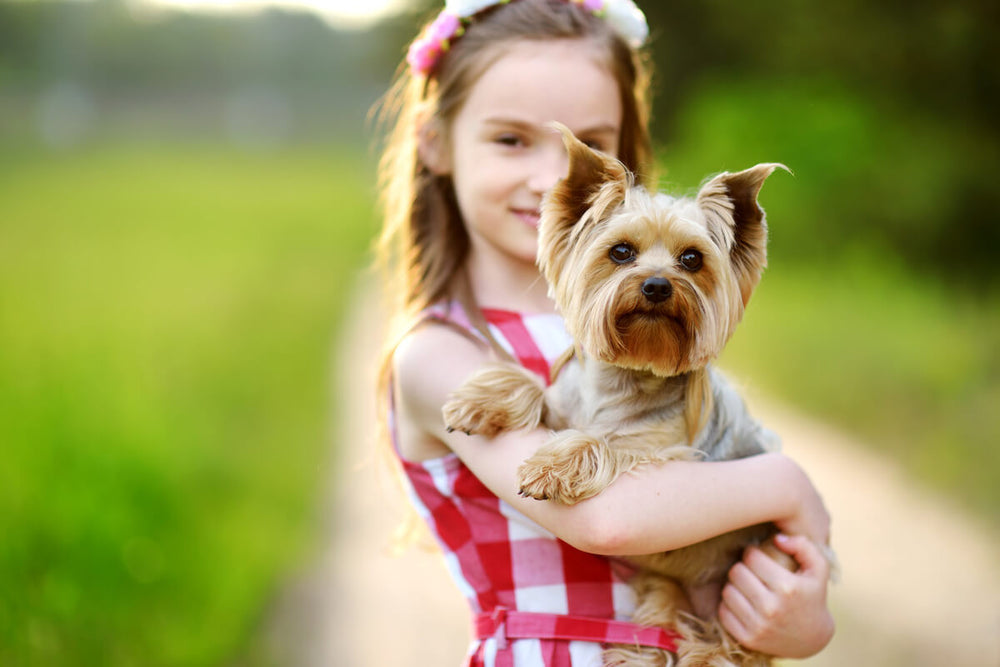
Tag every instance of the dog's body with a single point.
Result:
(628, 417)
(632, 414)
(651, 288)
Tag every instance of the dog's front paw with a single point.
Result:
(472, 416)
(569, 468)
(539, 482)
(498, 398)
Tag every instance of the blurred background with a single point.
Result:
(187, 204)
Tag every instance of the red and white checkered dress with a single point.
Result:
(536, 601)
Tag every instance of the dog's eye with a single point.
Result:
(622, 253)
(691, 259)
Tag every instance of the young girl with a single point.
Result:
(463, 175)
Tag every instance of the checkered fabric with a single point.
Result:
(536, 601)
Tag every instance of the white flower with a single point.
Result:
(466, 8)
(627, 20)
(623, 15)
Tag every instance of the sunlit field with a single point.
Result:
(166, 322)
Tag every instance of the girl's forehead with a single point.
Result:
(538, 82)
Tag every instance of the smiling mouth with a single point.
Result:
(528, 216)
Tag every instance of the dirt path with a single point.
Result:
(920, 581)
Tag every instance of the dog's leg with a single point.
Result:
(707, 644)
(659, 603)
(574, 466)
(570, 467)
(663, 602)
(499, 397)
(705, 599)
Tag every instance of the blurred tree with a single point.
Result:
(891, 102)
(928, 69)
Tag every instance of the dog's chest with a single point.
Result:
(604, 400)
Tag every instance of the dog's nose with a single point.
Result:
(657, 289)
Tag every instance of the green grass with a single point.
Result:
(909, 367)
(166, 321)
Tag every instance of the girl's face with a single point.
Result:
(503, 158)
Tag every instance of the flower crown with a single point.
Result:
(624, 16)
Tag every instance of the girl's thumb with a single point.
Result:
(810, 557)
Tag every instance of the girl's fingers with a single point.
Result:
(811, 558)
(773, 575)
(736, 614)
(769, 608)
(759, 598)
(812, 564)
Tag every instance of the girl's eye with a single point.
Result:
(511, 140)
(622, 253)
(691, 259)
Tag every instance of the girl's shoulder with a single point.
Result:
(431, 349)
(442, 348)
(430, 362)
(439, 335)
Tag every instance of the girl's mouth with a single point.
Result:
(529, 216)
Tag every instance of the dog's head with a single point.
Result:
(647, 281)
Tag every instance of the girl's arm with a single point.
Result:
(655, 508)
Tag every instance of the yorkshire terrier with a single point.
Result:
(651, 287)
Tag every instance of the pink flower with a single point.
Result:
(427, 49)
(422, 55)
(445, 26)
(593, 5)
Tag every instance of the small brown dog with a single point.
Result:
(651, 287)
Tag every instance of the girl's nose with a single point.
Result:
(552, 164)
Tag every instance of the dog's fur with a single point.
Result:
(651, 287)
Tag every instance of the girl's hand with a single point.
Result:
(767, 608)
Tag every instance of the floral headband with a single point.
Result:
(623, 15)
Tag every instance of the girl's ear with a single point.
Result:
(433, 149)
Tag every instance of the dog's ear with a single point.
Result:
(736, 221)
(595, 183)
(593, 180)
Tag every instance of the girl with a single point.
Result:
(463, 176)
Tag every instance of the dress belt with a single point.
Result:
(505, 624)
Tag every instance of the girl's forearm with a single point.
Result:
(666, 507)
(655, 508)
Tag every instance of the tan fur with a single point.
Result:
(639, 390)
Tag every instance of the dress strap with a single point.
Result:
(505, 624)
(520, 340)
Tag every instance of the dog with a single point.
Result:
(651, 288)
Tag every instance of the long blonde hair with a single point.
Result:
(424, 245)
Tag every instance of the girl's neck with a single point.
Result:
(509, 285)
